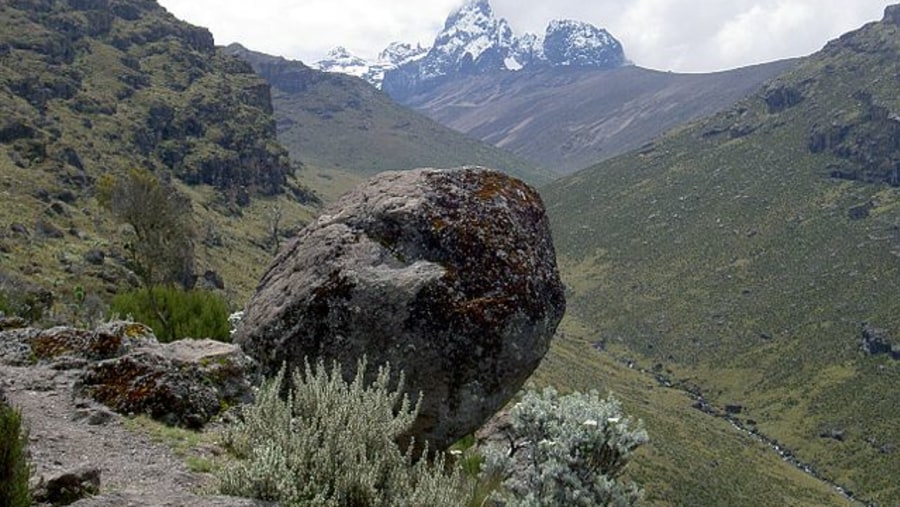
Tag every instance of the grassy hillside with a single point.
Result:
(94, 87)
(341, 122)
(745, 254)
(692, 458)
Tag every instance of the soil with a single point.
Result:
(67, 434)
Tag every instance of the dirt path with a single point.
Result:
(67, 434)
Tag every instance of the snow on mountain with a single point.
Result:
(398, 53)
(474, 41)
(580, 44)
(340, 60)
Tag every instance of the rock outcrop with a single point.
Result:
(449, 275)
(123, 366)
(876, 341)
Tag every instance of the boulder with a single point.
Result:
(875, 341)
(69, 487)
(122, 366)
(448, 275)
(182, 383)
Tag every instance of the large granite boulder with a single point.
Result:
(448, 275)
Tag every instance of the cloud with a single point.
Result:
(681, 35)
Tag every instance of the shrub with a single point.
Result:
(568, 450)
(14, 467)
(23, 299)
(333, 443)
(174, 313)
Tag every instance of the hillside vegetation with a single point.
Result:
(748, 258)
(342, 123)
(95, 87)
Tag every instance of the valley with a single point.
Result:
(729, 242)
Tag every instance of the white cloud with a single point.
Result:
(682, 35)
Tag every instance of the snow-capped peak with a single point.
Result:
(474, 41)
(579, 44)
(398, 53)
(342, 61)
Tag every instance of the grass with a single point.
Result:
(732, 260)
(692, 458)
(200, 451)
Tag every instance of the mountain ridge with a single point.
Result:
(753, 257)
(333, 121)
(473, 41)
(569, 118)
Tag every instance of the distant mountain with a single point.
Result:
(753, 258)
(340, 60)
(567, 118)
(333, 121)
(475, 42)
(564, 99)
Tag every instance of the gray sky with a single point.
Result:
(678, 35)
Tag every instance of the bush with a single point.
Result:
(174, 313)
(330, 443)
(23, 299)
(14, 467)
(569, 450)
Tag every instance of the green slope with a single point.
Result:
(90, 87)
(745, 252)
(340, 122)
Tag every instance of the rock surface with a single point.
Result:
(448, 274)
(123, 366)
(70, 433)
(182, 383)
(69, 487)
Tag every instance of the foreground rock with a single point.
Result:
(449, 275)
(74, 442)
(123, 366)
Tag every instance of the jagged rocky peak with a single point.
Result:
(398, 53)
(341, 60)
(892, 14)
(579, 44)
(475, 41)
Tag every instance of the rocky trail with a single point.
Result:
(68, 434)
(72, 434)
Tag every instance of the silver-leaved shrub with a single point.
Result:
(333, 443)
(564, 450)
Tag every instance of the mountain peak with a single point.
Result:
(475, 41)
(579, 44)
(470, 9)
(892, 14)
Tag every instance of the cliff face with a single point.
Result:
(90, 86)
(96, 87)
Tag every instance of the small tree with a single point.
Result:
(568, 450)
(14, 467)
(332, 443)
(162, 252)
